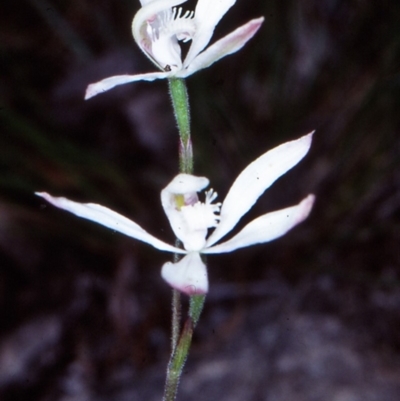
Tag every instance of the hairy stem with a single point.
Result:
(176, 318)
(181, 343)
(180, 104)
(181, 351)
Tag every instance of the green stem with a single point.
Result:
(181, 351)
(181, 345)
(176, 318)
(177, 362)
(196, 306)
(180, 104)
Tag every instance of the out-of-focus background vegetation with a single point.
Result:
(84, 313)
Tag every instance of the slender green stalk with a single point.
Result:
(196, 306)
(176, 308)
(181, 344)
(181, 351)
(177, 361)
(176, 318)
(180, 104)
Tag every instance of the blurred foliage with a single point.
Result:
(328, 65)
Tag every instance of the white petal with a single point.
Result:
(267, 227)
(139, 24)
(186, 185)
(167, 52)
(145, 2)
(189, 275)
(147, 12)
(225, 46)
(108, 218)
(207, 15)
(255, 179)
(109, 83)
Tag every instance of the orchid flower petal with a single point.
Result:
(181, 192)
(229, 44)
(255, 179)
(145, 2)
(148, 12)
(189, 275)
(267, 227)
(207, 15)
(108, 218)
(109, 83)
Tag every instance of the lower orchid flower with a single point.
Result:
(191, 219)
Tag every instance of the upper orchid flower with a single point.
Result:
(190, 218)
(159, 26)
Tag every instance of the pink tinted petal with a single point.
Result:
(108, 218)
(255, 179)
(223, 47)
(189, 275)
(267, 227)
(207, 15)
(109, 83)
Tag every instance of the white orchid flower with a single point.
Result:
(159, 26)
(191, 219)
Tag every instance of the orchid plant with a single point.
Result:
(191, 219)
(158, 27)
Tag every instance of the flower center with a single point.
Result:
(174, 23)
(165, 30)
(187, 199)
(199, 216)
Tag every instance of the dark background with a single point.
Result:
(312, 316)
